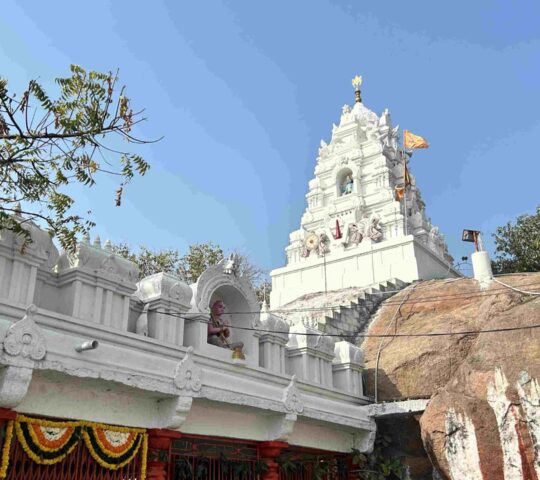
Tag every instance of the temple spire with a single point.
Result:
(356, 83)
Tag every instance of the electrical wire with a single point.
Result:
(524, 292)
(376, 388)
(491, 292)
(365, 335)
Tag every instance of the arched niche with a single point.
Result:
(242, 312)
(345, 182)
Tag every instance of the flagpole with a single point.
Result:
(405, 191)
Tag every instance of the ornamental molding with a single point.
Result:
(283, 428)
(292, 399)
(24, 338)
(181, 411)
(14, 383)
(187, 375)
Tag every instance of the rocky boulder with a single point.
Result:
(483, 420)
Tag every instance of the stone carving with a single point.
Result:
(345, 109)
(24, 338)
(282, 429)
(182, 407)
(164, 286)
(374, 229)
(94, 259)
(292, 400)
(354, 234)
(108, 266)
(14, 383)
(324, 244)
(177, 291)
(230, 267)
(187, 375)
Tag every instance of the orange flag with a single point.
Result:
(407, 176)
(410, 140)
(400, 193)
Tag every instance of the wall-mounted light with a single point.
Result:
(88, 345)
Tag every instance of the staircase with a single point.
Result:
(343, 312)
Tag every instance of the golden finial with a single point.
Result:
(356, 83)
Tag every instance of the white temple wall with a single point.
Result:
(149, 364)
(365, 265)
(430, 265)
(51, 395)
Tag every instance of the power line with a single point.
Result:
(424, 299)
(366, 335)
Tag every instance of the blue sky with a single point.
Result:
(243, 92)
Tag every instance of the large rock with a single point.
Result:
(473, 379)
(485, 423)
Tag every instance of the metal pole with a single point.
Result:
(324, 267)
(405, 192)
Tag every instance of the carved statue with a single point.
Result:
(354, 234)
(374, 228)
(347, 186)
(219, 330)
(324, 244)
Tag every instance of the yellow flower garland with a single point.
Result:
(144, 455)
(111, 466)
(31, 454)
(6, 449)
(104, 448)
(141, 437)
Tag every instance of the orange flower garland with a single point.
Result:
(47, 442)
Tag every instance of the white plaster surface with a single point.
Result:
(462, 447)
(159, 376)
(507, 417)
(381, 238)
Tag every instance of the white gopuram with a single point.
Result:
(355, 232)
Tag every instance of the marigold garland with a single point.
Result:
(97, 438)
(34, 450)
(113, 450)
(38, 436)
(102, 456)
(6, 449)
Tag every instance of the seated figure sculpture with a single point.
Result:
(347, 186)
(219, 330)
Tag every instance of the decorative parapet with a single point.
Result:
(164, 287)
(347, 353)
(100, 262)
(19, 267)
(311, 340)
(164, 297)
(310, 354)
(274, 334)
(347, 368)
(96, 285)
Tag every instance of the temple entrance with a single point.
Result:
(78, 465)
(221, 459)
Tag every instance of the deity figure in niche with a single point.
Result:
(219, 329)
(347, 185)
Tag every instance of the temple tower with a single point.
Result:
(360, 226)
